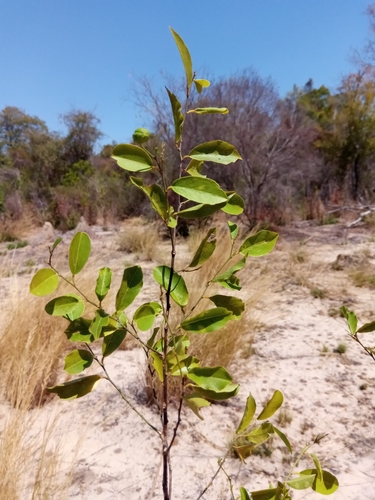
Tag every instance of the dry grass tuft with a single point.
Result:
(141, 238)
(31, 347)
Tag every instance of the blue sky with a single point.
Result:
(56, 55)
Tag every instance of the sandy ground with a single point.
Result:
(293, 351)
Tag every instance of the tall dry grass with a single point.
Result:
(141, 238)
(31, 350)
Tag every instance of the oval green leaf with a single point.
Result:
(229, 392)
(271, 406)
(44, 282)
(112, 342)
(207, 321)
(368, 327)
(79, 252)
(132, 158)
(210, 378)
(67, 305)
(205, 249)
(200, 190)
(351, 319)
(78, 331)
(103, 283)
(325, 486)
(269, 494)
(216, 151)
(178, 117)
(179, 292)
(302, 482)
(235, 305)
(283, 438)
(98, 323)
(248, 414)
(195, 403)
(244, 494)
(131, 285)
(156, 195)
(75, 388)
(144, 316)
(77, 361)
(235, 204)
(232, 270)
(200, 84)
(185, 56)
(233, 230)
(259, 244)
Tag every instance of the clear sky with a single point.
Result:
(56, 55)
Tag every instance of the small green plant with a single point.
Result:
(324, 349)
(30, 263)
(164, 324)
(356, 333)
(341, 349)
(318, 293)
(17, 244)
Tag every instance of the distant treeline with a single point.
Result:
(312, 149)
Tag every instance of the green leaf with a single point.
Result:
(351, 319)
(258, 435)
(302, 482)
(195, 403)
(269, 494)
(56, 242)
(103, 283)
(195, 168)
(141, 135)
(368, 327)
(44, 282)
(259, 244)
(271, 406)
(75, 388)
(132, 158)
(207, 321)
(200, 211)
(131, 285)
(200, 84)
(233, 304)
(232, 283)
(232, 270)
(151, 340)
(283, 438)
(112, 342)
(179, 291)
(216, 151)
(79, 252)
(157, 363)
(98, 323)
(156, 196)
(78, 331)
(77, 361)
(325, 486)
(233, 230)
(235, 204)
(178, 117)
(205, 249)
(247, 415)
(67, 305)
(185, 56)
(145, 315)
(210, 378)
(208, 111)
(181, 365)
(244, 494)
(200, 190)
(229, 392)
(317, 465)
